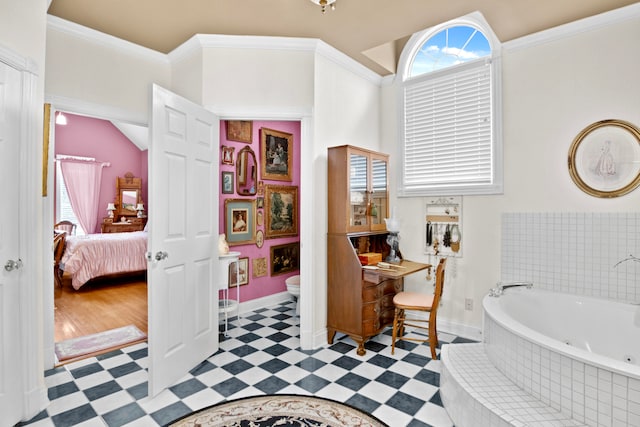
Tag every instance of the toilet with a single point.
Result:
(293, 287)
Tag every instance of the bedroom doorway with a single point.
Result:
(110, 302)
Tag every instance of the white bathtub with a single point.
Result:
(577, 354)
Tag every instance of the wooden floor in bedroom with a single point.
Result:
(100, 305)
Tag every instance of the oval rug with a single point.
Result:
(280, 410)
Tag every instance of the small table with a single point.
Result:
(225, 305)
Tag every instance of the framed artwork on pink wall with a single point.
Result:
(281, 209)
(276, 155)
(240, 130)
(285, 258)
(239, 221)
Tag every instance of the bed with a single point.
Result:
(95, 255)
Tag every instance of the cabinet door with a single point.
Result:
(378, 190)
(358, 191)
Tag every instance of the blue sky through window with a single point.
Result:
(451, 46)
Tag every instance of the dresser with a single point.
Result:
(359, 299)
(118, 226)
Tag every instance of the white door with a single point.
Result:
(183, 234)
(10, 379)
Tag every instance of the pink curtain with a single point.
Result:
(82, 179)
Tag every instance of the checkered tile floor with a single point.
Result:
(262, 356)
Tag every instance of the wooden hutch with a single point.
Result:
(359, 300)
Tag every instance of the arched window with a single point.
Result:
(450, 110)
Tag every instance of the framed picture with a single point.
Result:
(604, 159)
(260, 202)
(240, 130)
(285, 258)
(260, 218)
(259, 239)
(242, 270)
(239, 221)
(259, 267)
(276, 149)
(281, 208)
(227, 155)
(227, 183)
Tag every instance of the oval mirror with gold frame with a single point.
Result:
(246, 169)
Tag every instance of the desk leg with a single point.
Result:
(331, 334)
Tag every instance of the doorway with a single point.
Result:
(309, 337)
(113, 301)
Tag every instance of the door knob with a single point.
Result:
(11, 265)
(160, 255)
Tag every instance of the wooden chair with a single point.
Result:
(59, 241)
(66, 226)
(415, 301)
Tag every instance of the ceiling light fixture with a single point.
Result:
(61, 119)
(324, 3)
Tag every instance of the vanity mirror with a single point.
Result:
(128, 195)
(246, 166)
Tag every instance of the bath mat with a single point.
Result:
(75, 347)
(281, 410)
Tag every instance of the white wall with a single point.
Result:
(88, 67)
(554, 84)
(347, 111)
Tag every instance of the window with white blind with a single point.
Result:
(450, 112)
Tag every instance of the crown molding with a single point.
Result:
(574, 28)
(17, 61)
(106, 40)
(90, 109)
(317, 46)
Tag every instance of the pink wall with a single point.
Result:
(90, 137)
(266, 285)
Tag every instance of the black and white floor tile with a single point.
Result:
(261, 356)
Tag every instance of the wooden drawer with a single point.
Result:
(371, 310)
(386, 317)
(371, 327)
(372, 293)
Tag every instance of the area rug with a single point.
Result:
(279, 410)
(76, 347)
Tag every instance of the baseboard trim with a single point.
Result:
(264, 302)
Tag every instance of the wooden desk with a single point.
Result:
(359, 300)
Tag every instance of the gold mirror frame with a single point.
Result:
(246, 166)
(126, 184)
(604, 159)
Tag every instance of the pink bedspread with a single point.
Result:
(94, 255)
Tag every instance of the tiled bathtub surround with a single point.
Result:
(574, 252)
(590, 395)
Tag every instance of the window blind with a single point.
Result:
(448, 129)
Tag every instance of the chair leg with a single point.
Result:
(394, 332)
(433, 337)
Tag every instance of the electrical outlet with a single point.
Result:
(468, 304)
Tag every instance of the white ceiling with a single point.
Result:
(362, 29)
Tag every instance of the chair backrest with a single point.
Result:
(59, 241)
(66, 226)
(439, 284)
